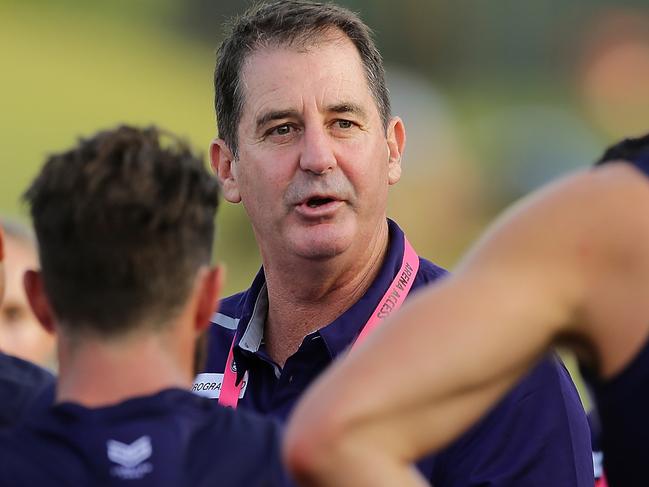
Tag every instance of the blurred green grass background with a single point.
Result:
(497, 97)
(71, 70)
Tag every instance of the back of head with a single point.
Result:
(630, 149)
(123, 222)
(290, 23)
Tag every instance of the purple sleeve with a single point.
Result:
(537, 435)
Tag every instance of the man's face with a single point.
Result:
(20, 332)
(314, 160)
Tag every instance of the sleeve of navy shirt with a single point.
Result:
(20, 383)
(537, 435)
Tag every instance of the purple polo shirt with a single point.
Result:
(169, 439)
(536, 436)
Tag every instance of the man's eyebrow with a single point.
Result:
(345, 107)
(271, 115)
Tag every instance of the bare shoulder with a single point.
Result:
(613, 206)
(617, 320)
(582, 242)
(569, 242)
(575, 215)
(619, 183)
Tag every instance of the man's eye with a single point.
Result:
(344, 124)
(281, 130)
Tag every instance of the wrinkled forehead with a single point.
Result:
(329, 63)
(301, 43)
(304, 41)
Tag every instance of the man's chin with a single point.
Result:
(322, 241)
(322, 247)
(320, 252)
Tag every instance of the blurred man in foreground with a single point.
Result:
(20, 333)
(125, 225)
(570, 264)
(20, 381)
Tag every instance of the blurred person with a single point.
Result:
(20, 333)
(20, 381)
(568, 265)
(613, 70)
(125, 224)
(308, 144)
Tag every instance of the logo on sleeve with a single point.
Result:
(130, 458)
(209, 385)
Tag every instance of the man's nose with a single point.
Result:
(317, 153)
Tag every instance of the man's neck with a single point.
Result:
(302, 302)
(98, 372)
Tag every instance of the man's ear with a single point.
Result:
(211, 280)
(34, 289)
(222, 161)
(396, 136)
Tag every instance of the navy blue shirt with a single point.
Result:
(623, 405)
(536, 436)
(172, 438)
(20, 383)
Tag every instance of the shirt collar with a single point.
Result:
(342, 332)
(250, 330)
(339, 334)
(254, 333)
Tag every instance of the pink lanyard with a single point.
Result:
(391, 301)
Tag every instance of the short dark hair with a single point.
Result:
(287, 23)
(627, 150)
(123, 223)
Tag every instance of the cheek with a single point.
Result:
(264, 168)
(368, 169)
(261, 187)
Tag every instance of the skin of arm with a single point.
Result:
(537, 277)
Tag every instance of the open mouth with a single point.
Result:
(316, 202)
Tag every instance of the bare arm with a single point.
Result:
(456, 348)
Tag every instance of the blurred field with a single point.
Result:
(69, 72)
(497, 98)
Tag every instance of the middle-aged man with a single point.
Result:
(309, 146)
(125, 225)
(569, 264)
